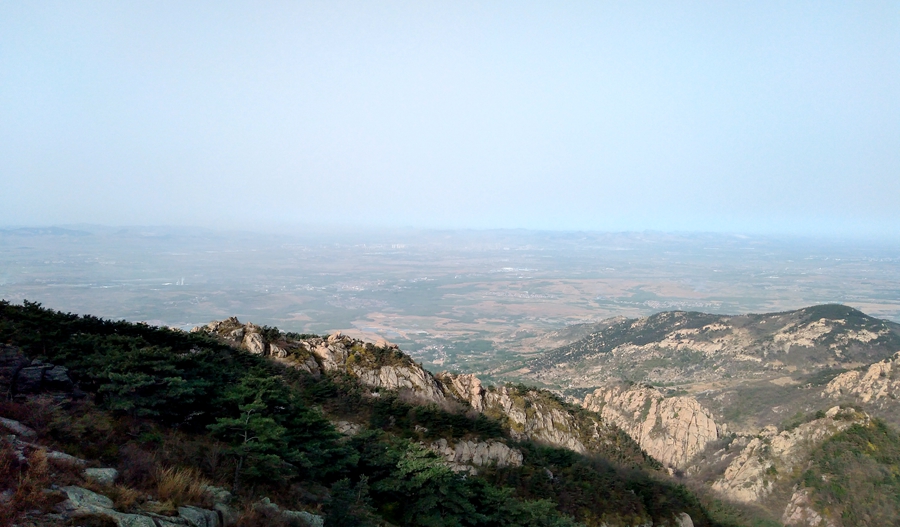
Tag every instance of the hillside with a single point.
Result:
(746, 405)
(113, 423)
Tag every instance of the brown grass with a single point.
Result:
(181, 486)
(28, 486)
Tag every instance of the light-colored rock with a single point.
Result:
(800, 513)
(80, 497)
(347, 428)
(277, 351)
(671, 429)
(313, 520)
(683, 519)
(398, 377)
(101, 476)
(462, 454)
(752, 475)
(17, 427)
(254, 343)
(466, 387)
(531, 417)
(880, 382)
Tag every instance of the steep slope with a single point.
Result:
(528, 413)
(671, 429)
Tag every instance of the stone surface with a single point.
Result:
(879, 383)
(683, 519)
(81, 498)
(101, 476)
(799, 512)
(16, 427)
(11, 361)
(672, 430)
(254, 343)
(29, 380)
(57, 378)
(463, 454)
(198, 517)
(752, 475)
(466, 387)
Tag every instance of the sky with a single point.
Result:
(757, 117)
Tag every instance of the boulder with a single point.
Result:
(101, 476)
(29, 379)
(57, 379)
(198, 517)
(254, 343)
(11, 361)
(16, 427)
(81, 498)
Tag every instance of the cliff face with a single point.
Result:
(772, 457)
(465, 456)
(672, 430)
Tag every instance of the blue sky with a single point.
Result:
(760, 117)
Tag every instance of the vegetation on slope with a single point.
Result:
(160, 402)
(855, 475)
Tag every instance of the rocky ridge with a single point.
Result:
(529, 414)
(687, 348)
(879, 384)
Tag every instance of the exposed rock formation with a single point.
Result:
(672, 430)
(466, 387)
(799, 512)
(20, 376)
(531, 414)
(463, 456)
(752, 475)
(879, 383)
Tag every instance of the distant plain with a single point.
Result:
(465, 301)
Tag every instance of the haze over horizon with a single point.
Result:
(765, 118)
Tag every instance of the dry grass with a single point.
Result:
(28, 484)
(181, 486)
(255, 516)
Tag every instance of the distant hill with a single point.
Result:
(684, 348)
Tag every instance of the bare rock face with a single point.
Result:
(254, 343)
(398, 377)
(799, 512)
(752, 475)
(532, 417)
(463, 455)
(879, 383)
(671, 429)
(466, 387)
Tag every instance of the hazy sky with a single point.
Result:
(720, 116)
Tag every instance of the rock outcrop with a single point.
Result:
(671, 429)
(752, 475)
(877, 384)
(800, 513)
(464, 456)
(530, 414)
(20, 376)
